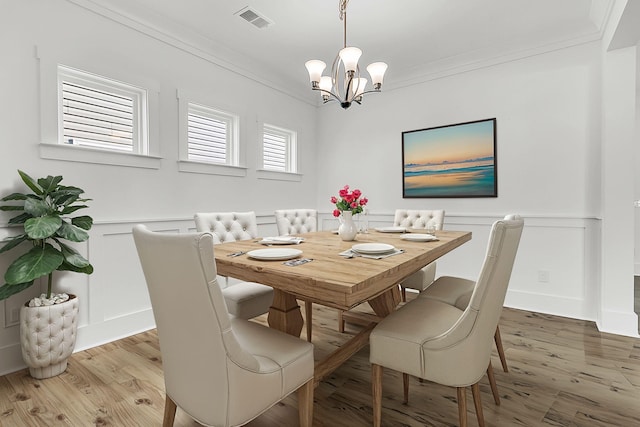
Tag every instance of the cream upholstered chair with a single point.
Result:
(436, 341)
(457, 291)
(297, 221)
(221, 370)
(421, 279)
(244, 299)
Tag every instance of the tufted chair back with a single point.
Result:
(410, 218)
(228, 226)
(296, 221)
(198, 367)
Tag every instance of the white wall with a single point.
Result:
(548, 155)
(114, 301)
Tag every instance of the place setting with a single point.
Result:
(274, 254)
(371, 250)
(419, 237)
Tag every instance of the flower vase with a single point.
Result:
(347, 229)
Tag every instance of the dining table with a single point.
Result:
(335, 276)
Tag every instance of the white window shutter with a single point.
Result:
(96, 118)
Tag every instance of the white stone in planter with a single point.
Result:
(48, 336)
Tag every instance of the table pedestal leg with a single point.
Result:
(284, 313)
(385, 304)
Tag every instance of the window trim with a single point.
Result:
(234, 166)
(50, 147)
(140, 137)
(291, 143)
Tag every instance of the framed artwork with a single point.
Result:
(456, 160)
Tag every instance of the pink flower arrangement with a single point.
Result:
(348, 201)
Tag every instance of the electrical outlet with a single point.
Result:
(543, 276)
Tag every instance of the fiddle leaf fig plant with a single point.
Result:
(45, 216)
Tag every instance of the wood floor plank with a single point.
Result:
(563, 372)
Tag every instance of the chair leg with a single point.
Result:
(305, 404)
(492, 383)
(169, 412)
(376, 392)
(498, 340)
(475, 390)
(405, 387)
(404, 293)
(308, 314)
(462, 406)
(340, 322)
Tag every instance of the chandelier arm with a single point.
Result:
(328, 93)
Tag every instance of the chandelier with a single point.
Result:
(345, 84)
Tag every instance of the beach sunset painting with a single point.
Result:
(450, 161)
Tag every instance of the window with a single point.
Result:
(212, 135)
(96, 112)
(278, 149)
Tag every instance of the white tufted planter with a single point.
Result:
(48, 336)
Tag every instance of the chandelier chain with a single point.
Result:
(342, 6)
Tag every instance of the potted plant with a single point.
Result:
(48, 323)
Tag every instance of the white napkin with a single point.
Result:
(291, 240)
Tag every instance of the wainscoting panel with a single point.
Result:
(556, 272)
(556, 269)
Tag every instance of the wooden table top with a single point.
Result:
(331, 279)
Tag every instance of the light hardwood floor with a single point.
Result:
(563, 372)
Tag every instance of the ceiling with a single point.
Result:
(419, 39)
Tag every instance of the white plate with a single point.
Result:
(391, 229)
(419, 237)
(283, 240)
(373, 248)
(274, 254)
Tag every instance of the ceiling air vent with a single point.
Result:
(254, 17)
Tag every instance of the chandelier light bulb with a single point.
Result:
(350, 56)
(315, 69)
(359, 86)
(376, 71)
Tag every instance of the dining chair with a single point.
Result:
(439, 342)
(457, 291)
(297, 221)
(244, 299)
(220, 370)
(410, 218)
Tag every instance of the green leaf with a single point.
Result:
(71, 256)
(64, 199)
(30, 182)
(20, 219)
(11, 208)
(42, 227)
(71, 209)
(36, 263)
(14, 196)
(65, 266)
(50, 183)
(85, 222)
(7, 290)
(72, 233)
(36, 207)
(12, 242)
